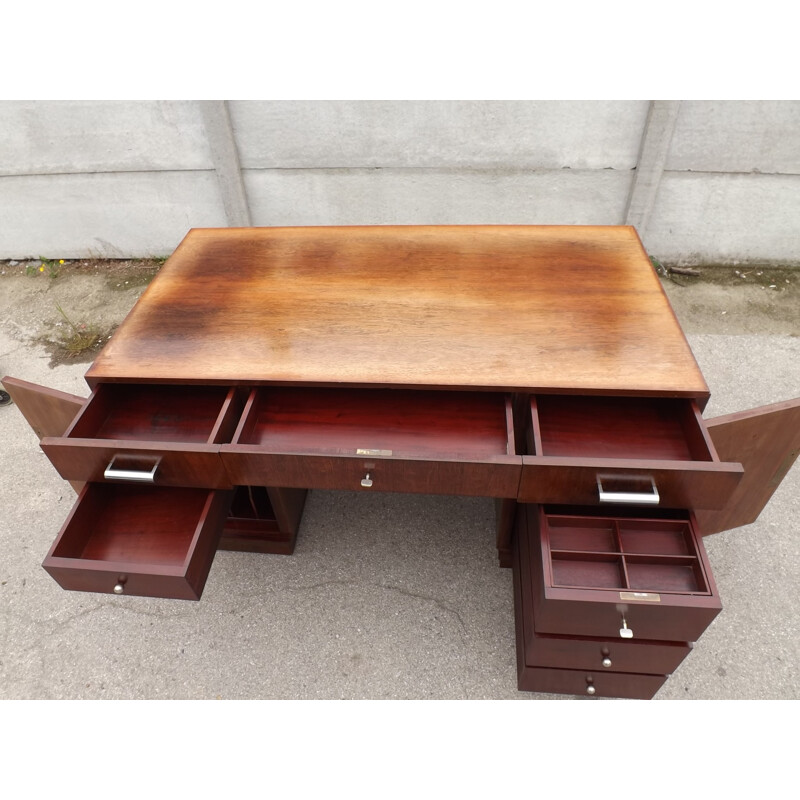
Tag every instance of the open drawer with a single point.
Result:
(139, 540)
(388, 440)
(592, 450)
(618, 576)
(156, 434)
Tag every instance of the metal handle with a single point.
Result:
(606, 662)
(142, 476)
(639, 498)
(366, 482)
(625, 632)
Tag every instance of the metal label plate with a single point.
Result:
(649, 597)
(365, 451)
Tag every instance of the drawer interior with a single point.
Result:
(399, 423)
(159, 413)
(643, 555)
(618, 427)
(134, 524)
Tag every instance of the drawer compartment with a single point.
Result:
(143, 540)
(647, 451)
(583, 682)
(388, 440)
(633, 586)
(164, 435)
(591, 653)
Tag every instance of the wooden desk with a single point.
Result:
(536, 365)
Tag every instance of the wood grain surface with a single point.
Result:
(562, 308)
(766, 440)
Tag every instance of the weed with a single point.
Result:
(81, 339)
(51, 265)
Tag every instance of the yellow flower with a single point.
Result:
(60, 260)
(41, 269)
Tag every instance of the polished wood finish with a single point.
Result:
(587, 592)
(176, 429)
(153, 541)
(570, 309)
(571, 665)
(407, 441)
(605, 684)
(652, 428)
(626, 443)
(587, 652)
(766, 441)
(49, 412)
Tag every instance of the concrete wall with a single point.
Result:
(702, 181)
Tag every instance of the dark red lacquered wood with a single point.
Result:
(456, 443)
(766, 441)
(177, 430)
(152, 541)
(263, 520)
(589, 593)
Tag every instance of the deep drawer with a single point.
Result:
(617, 577)
(161, 435)
(637, 451)
(139, 540)
(583, 653)
(396, 441)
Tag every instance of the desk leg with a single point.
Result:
(505, 510)
(263, 520)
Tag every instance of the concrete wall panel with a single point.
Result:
(95, 136)
(113, 215)
(435, 197)
(725, 219)
(731, 136)
(472, 134)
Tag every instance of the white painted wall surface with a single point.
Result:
(123, 179)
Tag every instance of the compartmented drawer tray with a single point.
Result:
(159, 434)
(586, 652)
(649, 451)
(618, 577)
(389, 440)
(139, 540)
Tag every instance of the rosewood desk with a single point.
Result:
(540, 366)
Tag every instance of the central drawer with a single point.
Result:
(388, 440)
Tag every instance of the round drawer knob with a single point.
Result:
(606, 662)
(119, 589)
(366, 482)
(590, 689)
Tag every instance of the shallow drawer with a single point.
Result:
(139, 433)
(385, 440)
(610, 450)
(595, 684)
(586, 653)
(617, 577)
(139, 540)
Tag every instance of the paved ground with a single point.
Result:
(387, 596)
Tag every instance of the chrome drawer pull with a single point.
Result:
(141, 476)
(366, 482)
(638, 498)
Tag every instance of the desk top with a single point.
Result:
(545, 308)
